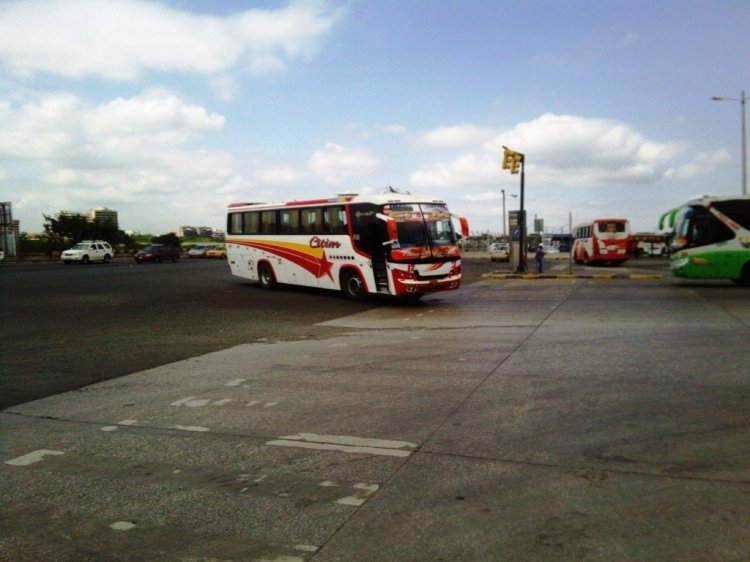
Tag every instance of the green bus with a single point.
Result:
(711, 238)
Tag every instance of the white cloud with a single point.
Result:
(394, 129)
(127, 151)
(280, 175)
(121, 39)
(561, 150)
(457, 136)
(699, 164)
(334, 163)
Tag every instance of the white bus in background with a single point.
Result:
(603, 241)
(394, 243)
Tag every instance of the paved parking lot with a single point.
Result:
(569, 419)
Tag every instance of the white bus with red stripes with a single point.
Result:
(394, 243)
(603, 241)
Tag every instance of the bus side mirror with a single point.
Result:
(391, 228)
(464, 227)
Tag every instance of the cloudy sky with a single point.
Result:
(169, 110)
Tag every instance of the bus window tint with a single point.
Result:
(311, 221)
(268, 222)
(334, 219)
(235, 223)
(410, 224)
(439, 225)
(411, 233)
(252, 223)
(696, 227)
(289, 221)
(737, 210)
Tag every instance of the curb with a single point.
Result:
(632, 276)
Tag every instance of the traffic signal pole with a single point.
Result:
(511, 161)
(522, 219)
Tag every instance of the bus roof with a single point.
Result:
(592, 221)
(376, 199)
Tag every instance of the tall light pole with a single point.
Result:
(505, 234)
(742, 99)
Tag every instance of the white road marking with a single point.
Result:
(351, 500)
(345, 443)
(197, 428)
(122, 526)
(350, 440)
(235, 382)
(110, 428)
(342, 448)
(32, 457)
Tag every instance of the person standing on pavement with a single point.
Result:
(540, 258)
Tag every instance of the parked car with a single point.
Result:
(499, 251)
(217, 252)
(87, 251)
(157, 253)
(199, 250)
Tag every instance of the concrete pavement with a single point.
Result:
(510, 420)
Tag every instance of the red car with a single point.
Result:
(157, 253)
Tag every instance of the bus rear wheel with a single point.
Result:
(266, 277)
(352, 286)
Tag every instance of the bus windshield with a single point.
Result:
(425, 230)
(612, 229)
(695, 226)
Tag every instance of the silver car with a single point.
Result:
(499, 251)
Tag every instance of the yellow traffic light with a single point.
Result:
(507, 159)
(511, 160)
(516, 161)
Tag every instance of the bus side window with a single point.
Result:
(707, 229)
(268, 222)
(252, 223)
(235, 223)
(289, 222)
(311, 221)
(334, 220)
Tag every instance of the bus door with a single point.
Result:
(370, 237)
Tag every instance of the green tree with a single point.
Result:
(74, 228)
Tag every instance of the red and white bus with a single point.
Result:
(396, 244)
(603, 241)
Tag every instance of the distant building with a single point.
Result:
(187, 232)
(199, 231)
(103, 214)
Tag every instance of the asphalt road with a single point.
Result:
(65, 327)
(515, 419)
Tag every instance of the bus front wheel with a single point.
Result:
(352, 286)
(266, 277)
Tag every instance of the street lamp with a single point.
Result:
(742, 100)
(505, 234)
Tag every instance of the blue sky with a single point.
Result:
(168, 111)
